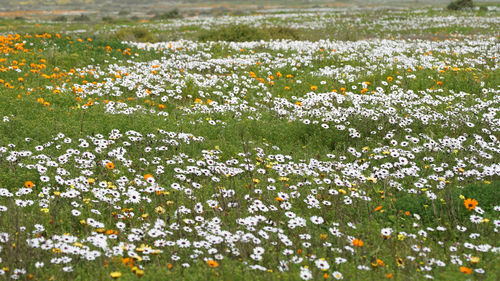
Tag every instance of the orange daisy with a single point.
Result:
(110, 166)
(29, 184)
(470, 204)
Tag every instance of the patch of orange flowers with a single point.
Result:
(358, 242)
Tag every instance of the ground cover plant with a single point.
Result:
(318, 144)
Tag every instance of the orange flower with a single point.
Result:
(314, 88)
(378, 208)
(128, 262)
(389, 79)
(465, 270)
(110, 166)
(357, 242)
(389, 275)
(29, 184)
(470, 204)
(212, 263)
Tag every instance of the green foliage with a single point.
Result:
(61, 18)
(107, 19)
(460, 5)
(243, 33)
(137, 34)
(415, 204)
(82, 17)
(487, 195)
(172, 14)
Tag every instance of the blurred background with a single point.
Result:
(147, 9)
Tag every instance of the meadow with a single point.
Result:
(313, 144)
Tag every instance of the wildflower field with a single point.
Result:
(318, 144)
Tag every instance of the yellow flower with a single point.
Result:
(314, 88)
(115, 274)
(474, 259)
(139, 273)
(160, 210)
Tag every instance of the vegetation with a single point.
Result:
(242, 33)
(172, 14)
(288, 145)
(460, 5)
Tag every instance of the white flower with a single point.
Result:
(317, 220)
(386, 231)
(322, 264)
(337, 275)
(305, 273)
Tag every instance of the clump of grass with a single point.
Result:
(460, 5)
(136, 34)
(61, 18)
(172, 14)
(242, 33)
(82, 18)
